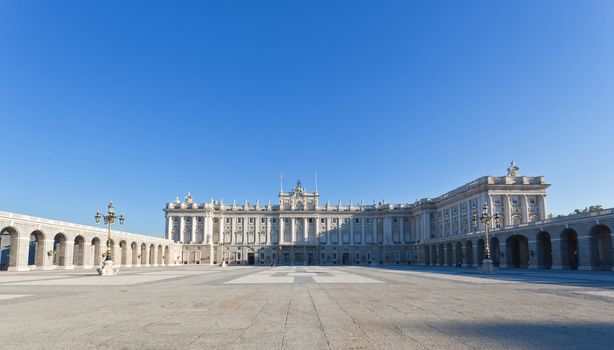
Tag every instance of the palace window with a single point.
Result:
(368, 220)
(251, 220)
(240, 220)
(263, 221)
(310, 220)
(395, 220)
(347, 221)
(228, 220)
(274, 221)
(405, 219)
(322, 221)
(334, 220)
(357, 221)
(216, 220)
(286, 220)
(200, 219)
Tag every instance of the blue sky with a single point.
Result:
(142, 101)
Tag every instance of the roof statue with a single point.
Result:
(513, 169)
(188, 198)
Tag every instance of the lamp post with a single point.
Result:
(486, 219)
(109, 219)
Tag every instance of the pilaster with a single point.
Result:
(533, 256)
(181, 229)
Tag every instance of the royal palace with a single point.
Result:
(300, 230)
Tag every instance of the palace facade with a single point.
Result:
(299, 230)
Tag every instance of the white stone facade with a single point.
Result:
(299, 230)
(32, 243)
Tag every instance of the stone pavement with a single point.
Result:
(311, 307)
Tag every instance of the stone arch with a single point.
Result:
(135, 253)
(544, 250)
(144, 256)
(600, 239)
(160, 255)
(124, 252)
(458, 248)
(480, 246)
(152, 255)
(449, 255)
(469, 253)
(495, 251)
(427, 255)
(36, 249)
(569, 249)
(9, 246)
(96, 252)
(59, 250)
(167, 256)
(517, 251)
(78, 257)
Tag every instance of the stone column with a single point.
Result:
(362, 231)
(525, 209)
(19, 254)
(352, 235)
(232, 230)
(281, 230)
(328, 233)
(268, 232)
(339, 231)
(169, 228)
(508, 210)
(257, 234)
(556, 254)
(68, 256)
(146, 255)
(305, 231)
(541, 201)
(293, 237)
(244, 236)
(476, 253)
(445, 255)
(193, 233)
(220, 229)
(533, 263)
(181, 229)
(374, 234)
(387, 230)
(502, 261)
(87, 255)
(402, 230)
(47, 261)
(316, 234)
(584, 253)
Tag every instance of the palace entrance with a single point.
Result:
(251, 259)
(345, 258)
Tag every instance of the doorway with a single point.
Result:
(250, 259)
(345, 258)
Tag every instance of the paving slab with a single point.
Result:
(307, 307)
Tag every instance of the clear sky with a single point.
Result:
(142, 101)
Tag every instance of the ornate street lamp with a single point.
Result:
(486, 219)
(109, 220)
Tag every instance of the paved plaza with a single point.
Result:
(205, 307)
